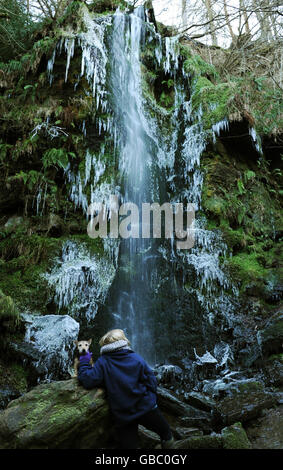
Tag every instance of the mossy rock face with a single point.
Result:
(57, 415)
(242, 201)
(213, 441)
(26, 258)
(235, 437)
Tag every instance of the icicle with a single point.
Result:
(171, 54)
(256, 139)
(50, 66)
(81, 281)
(218, 127)
(70, 49)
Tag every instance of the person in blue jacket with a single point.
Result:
(131, 389)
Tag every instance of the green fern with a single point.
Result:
(56, 157)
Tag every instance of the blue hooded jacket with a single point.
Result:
(130, 383)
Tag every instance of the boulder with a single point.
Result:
(266, 432)
(63, 415)
(48, 344)
(183, 433)
(200, 401)
(273, 370)
(168, 374)
(270, 338)
(148, 439)
(232, 437)
(57, 415)
(212, 441)
(181, 414)
(235, 437)
(244, 405)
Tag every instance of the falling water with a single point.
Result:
(132, 307)
(150, 159)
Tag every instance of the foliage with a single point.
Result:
(30, 178)
(214, 99)
(195, 65)
(56, 157)
(16, 29)
(8, 310)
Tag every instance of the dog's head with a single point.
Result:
(83, 346)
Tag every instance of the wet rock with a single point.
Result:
(225, 384)
(273, 370)
(279, 397)
(270, 338)
(183, 433)
(182, 414)
(213, 441)
(58, 415)
(148, 439)
(235, 437)
(266, 432)
(48, 344)
(200, 401)
(6, 395)
(250, 354)
(168, 374)
(244, 405)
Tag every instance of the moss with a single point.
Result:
(13, 376)
(214, 100)
(8, 311)
(213, 441)
(19, 377)
(196, 66)
(276, 357)
(249, 387)
(235, 437)
(246, 267)
(235, 239)
(26, 258)
(94, 245)
(241, 202)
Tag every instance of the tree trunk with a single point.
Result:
(210, 16)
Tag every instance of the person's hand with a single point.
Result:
(86, 358)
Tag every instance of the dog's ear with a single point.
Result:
(75, 342)
(89, 341)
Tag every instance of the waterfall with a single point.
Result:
(159, 159)
(131, 310)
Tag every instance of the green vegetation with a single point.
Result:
(16, 29)
(235, 437)
(223, 94)
(241, 198)
(56, 157)
(8, 311)
(214, 99)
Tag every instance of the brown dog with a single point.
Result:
(82, 349)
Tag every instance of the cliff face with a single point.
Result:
(65, 124)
